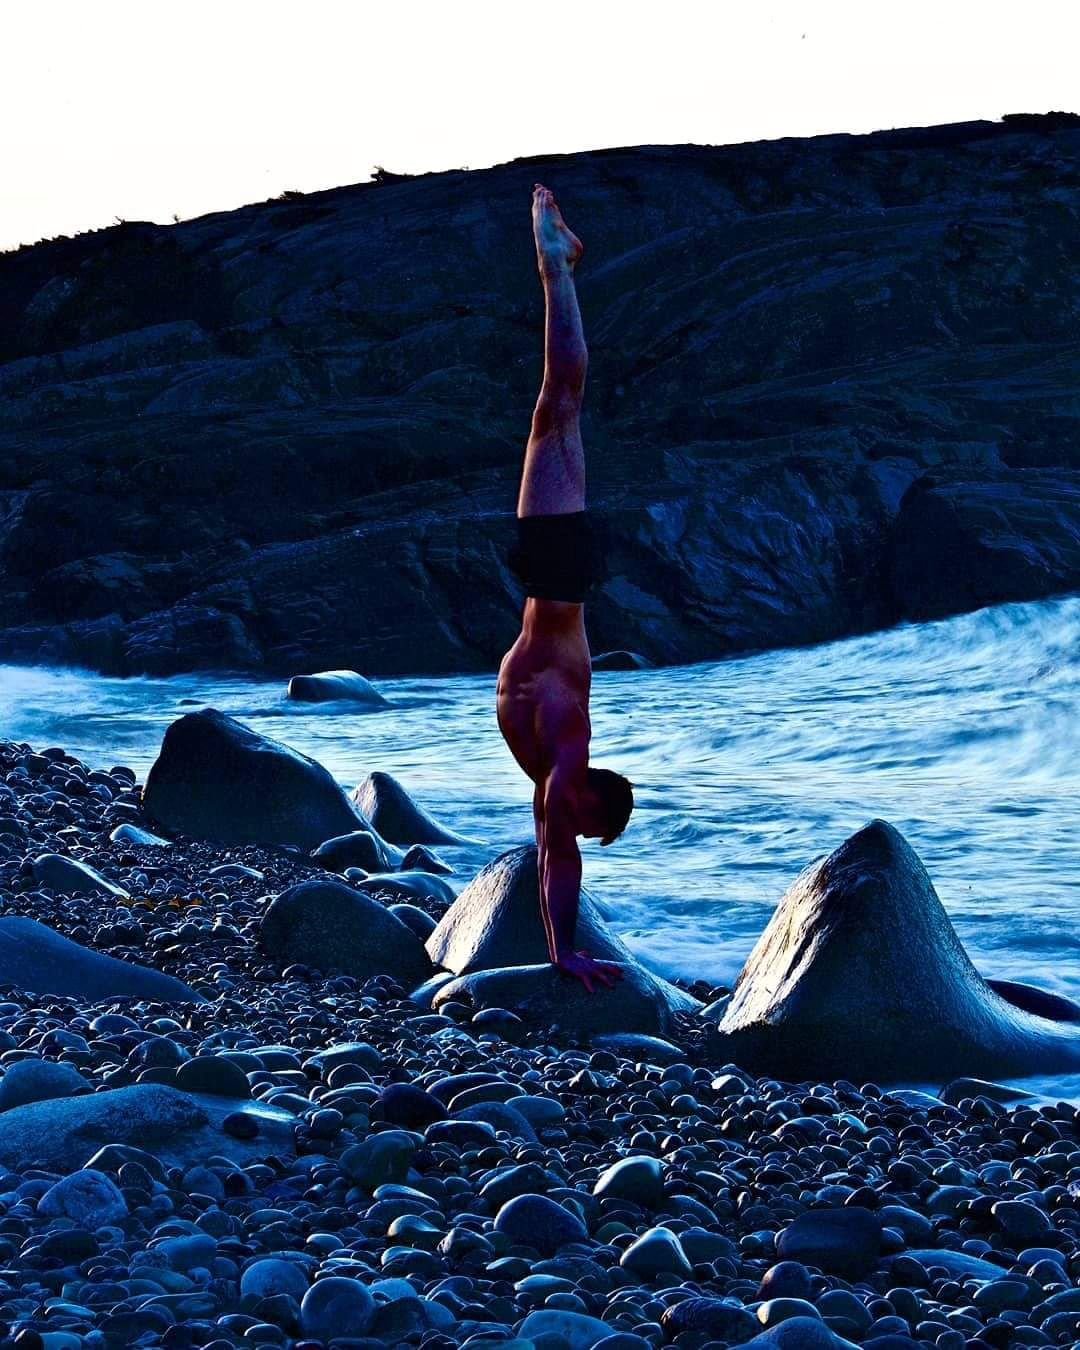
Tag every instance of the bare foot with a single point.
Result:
(557, 247)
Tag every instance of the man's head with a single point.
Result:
(606, 808)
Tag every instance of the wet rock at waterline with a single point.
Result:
(337, 929)
(496, 921)
(216, 779)
(620, 660)
(331, 686)
(421, 859)
(859, 974)
(358, 848)
(544, 997)
(396, 817)
(34, 957)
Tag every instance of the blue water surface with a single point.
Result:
(963, 733)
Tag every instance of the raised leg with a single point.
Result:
(553, 477)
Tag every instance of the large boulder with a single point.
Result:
(544, 997)
(180, 1128)
(332, 686)
(35, 958)
(215, 778)
(859, 974)
(394, 814)
(339, 930)
(496, 921)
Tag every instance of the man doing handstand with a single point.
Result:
(543, 689)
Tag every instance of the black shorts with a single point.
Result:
(556, 557)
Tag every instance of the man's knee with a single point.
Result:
(556, 410)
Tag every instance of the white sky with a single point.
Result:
(140, 109)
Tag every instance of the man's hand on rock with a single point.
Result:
(589, 971)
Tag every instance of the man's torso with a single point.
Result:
(542, 694)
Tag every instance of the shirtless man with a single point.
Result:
(544, 679)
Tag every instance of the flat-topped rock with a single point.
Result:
(35, 958)
(544, 997)
(215, 778)
(177, 1127)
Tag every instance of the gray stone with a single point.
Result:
(386, 803)
(272, 1275)
(843, 1241)
(331, 686)
(535, 1221)
(358, 848)
(543, 997)
(640, 1180)
(177, 1127)
(496, 921)
(215, 778)
(39, 1080)
(35, 958)
(127, 833)
(68, 876)
(632, 1045)
(575, 1330)
(859, 974)
(408, 886)
(418, 920)
(335, 928)
(656, 1252)
(335, 1308)
(89, 1198)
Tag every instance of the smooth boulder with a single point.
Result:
(69, 876)
(544, 997)
(39, 1080)
(215, 778)
(35, 958)
(407, 886)
(339, 930)
(859, 974)
(358, 848)
(496, 921)
(333, 686)
(179, 1128)
(394, 814)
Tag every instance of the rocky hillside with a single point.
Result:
(834, 384)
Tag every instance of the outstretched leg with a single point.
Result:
(553, 478)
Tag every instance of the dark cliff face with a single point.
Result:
(833, 384)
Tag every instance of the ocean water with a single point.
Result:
(963, 733)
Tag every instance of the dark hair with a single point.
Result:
(617, 796)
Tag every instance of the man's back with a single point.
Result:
(542, 696)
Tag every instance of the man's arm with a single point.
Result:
(560, 881)
(560, 867)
